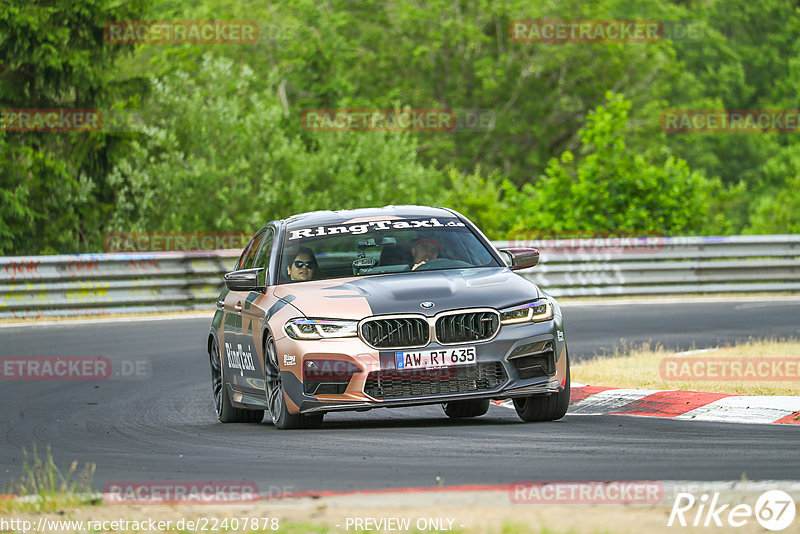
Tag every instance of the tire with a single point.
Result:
(276, 397)
(544, 407)
(467, 408)
(226, 411)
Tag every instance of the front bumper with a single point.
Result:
(505, 349)
(543, 388)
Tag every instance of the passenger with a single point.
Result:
(304, 266)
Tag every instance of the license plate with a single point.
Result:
(430, 359)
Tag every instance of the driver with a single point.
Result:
(424, 250)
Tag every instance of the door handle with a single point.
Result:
(220, 304)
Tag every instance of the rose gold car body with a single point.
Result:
(251, 335)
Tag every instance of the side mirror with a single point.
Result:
(520, 258)
(244, 280)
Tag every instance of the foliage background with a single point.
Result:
(209, 136)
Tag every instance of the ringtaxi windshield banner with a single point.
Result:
(371, 226)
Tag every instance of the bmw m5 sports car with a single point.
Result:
(384, 307)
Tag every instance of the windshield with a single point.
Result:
(380, 246)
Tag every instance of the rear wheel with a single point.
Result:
(544, 407)
(226, 411)
(467, 408)
(276, 398)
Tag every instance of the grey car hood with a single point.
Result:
(495, 287)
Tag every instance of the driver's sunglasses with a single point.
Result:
(301, 264)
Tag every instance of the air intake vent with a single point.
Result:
(397, 332)
(393, 384)
(534, 360)
(465, 327)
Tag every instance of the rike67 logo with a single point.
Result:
(774, 510)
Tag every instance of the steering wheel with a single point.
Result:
(442, 263)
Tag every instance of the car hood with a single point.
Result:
(358, 297)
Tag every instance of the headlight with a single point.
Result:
(320, 328)
(536, 311)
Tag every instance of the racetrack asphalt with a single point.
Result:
(598, 328)
(163, 428)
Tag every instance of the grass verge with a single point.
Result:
(44, 487)
(640, 367)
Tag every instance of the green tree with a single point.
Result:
(747, 57)
(54, 57)
(480, 198)
(441, 54)
(777, 211)
(611, 189)
(215, 155)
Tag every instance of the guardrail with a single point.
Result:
(91, 284)
(666, 265)
(100, 284)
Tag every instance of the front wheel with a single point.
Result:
(544, 407)
(226, 411)
(276, 397)
(467, 408)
